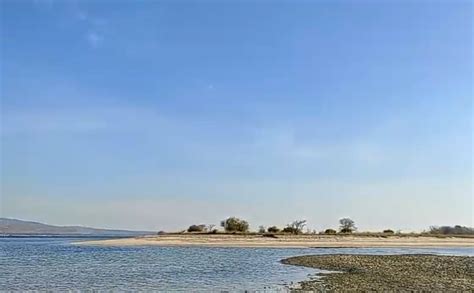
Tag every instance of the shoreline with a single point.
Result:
(405, 272)
(285, 241)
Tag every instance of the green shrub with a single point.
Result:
(197, 228)
(330, 231)
(388, 231)
(447, 230)
(234, 224)
(347, 225)
(273, 229)
(289, 229)
(261, 229)
(346, 230)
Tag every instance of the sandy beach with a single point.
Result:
(285, 241)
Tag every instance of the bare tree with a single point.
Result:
(299, 225)
(296, 227)
(210, 227)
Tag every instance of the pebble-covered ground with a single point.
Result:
(389, 272)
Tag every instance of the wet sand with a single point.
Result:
(285, 241)
(388, 273)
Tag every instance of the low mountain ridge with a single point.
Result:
(19, 227)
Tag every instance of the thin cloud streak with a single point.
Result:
(94, 39)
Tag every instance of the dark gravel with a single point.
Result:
(389, 272)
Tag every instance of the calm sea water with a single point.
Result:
(56, 264)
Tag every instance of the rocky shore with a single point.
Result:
(388, 272)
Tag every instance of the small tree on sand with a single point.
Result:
(210, 227)
(234, 224)
(273, 229)
(330, 231)
(347, 225)
(197, 228)
(296, 227)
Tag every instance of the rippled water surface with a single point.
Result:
(56, 264)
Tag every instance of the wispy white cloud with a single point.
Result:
(281, 141)
(79, 120)
(47, 3)
(95, 25)
(82, 15)
(94, 39)
(46, 122)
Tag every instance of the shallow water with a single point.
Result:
(56, 264)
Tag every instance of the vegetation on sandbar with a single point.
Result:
(347, 226)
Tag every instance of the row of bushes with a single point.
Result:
(231, 224)
(234, 224)
(332, 231)
(202, 228)
(448, 230)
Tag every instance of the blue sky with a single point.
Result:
(161, 114)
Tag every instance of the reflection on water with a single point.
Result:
(55, 264)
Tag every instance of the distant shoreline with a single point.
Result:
(103, 237)
(285, 241)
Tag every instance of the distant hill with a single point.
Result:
(19, 227)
